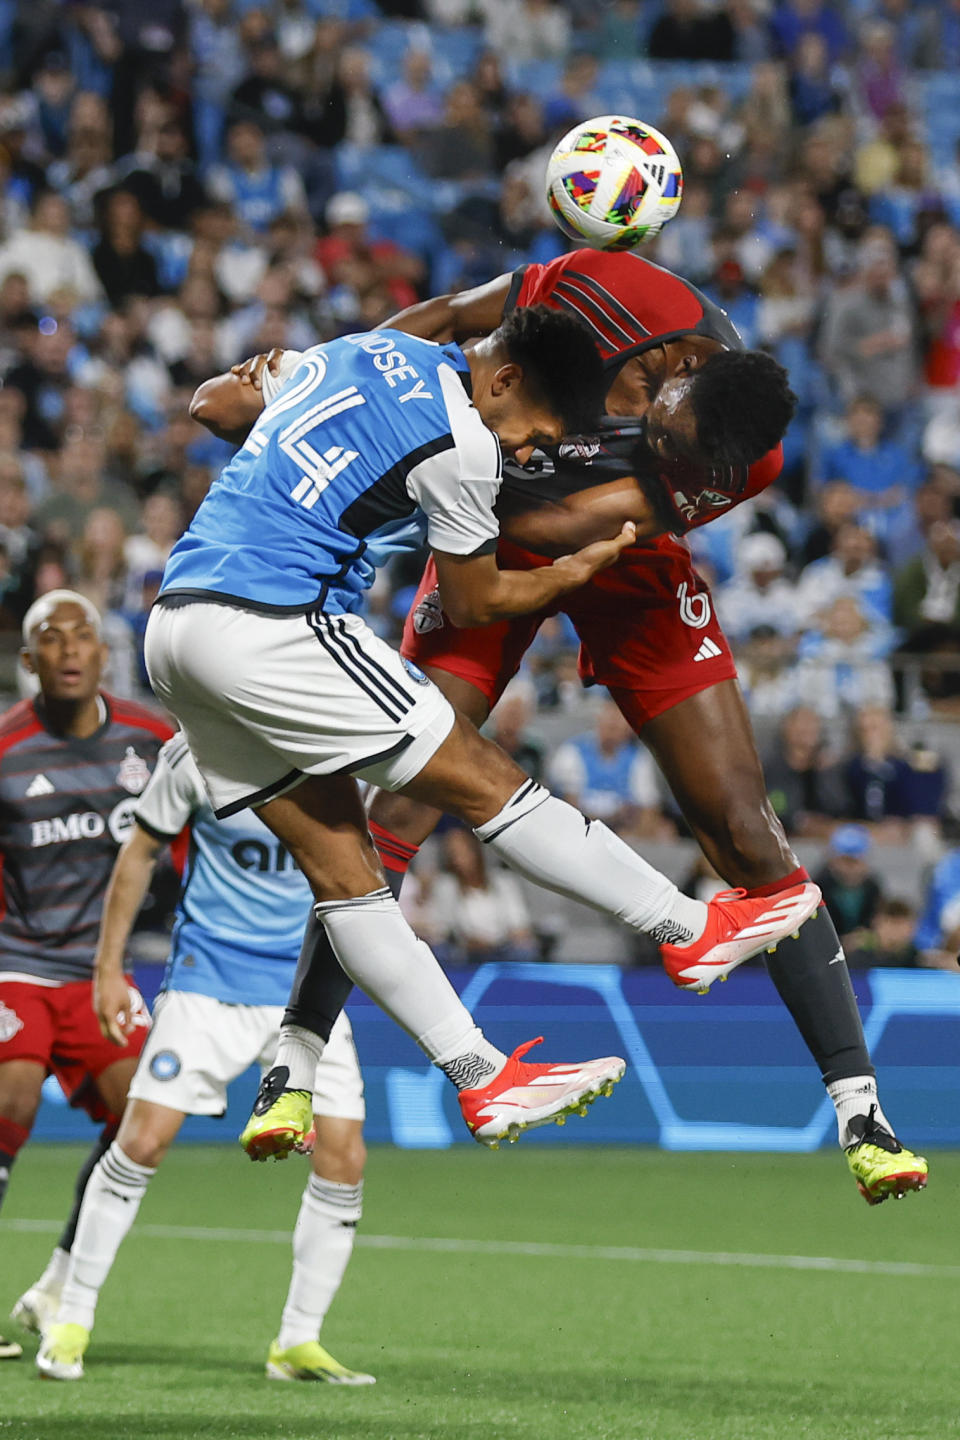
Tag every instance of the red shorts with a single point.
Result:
(646, 626)
(55, 1026)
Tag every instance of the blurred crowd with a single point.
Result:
(188, 182)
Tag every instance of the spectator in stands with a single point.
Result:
(814, 87)
(759, 591)
(794, 19)
(351, 109)
(766, 673)
(48, 256)
(264, 95)
(509, 727)
(352, 260)
(461, 146)
(609, 775)
(887, 785)
(124, 267)
(836, 505)
(413, 103)
(475, 909)
(851, 891)
(882, 471)
(528, 30)
(889, 942)
(926, 605)
(868, 340)
(257, 190)
(161, 175)
(686, 30)
(841, 664)
(937, 936)
(851, 569)
(86, 167)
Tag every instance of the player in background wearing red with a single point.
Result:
(72, 762)
(704, 423)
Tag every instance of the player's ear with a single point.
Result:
(506, 377)
(686, 364)
(26, 660)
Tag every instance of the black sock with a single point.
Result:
(100, 1148)
(812, 980)
(6, 1165)
(320, 987)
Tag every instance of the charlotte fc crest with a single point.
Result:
(133, 773)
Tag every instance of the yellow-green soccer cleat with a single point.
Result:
(311, 1362)
(9, 1349)
(60, 1356)
(880, 1165)
(281, 1118)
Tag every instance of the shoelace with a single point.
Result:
(874, 1134)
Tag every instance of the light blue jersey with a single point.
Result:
(244, 904)
(370, 446)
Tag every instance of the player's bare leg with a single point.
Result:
(706, 750)
(330, 1210)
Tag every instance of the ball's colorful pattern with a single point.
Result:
(613, 182)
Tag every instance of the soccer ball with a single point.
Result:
(613, 182)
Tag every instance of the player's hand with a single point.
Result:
(599, 555)
(111, 1002)
(250, 372)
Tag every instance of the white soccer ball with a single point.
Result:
(614, 182)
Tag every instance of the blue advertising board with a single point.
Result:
(723, 1072)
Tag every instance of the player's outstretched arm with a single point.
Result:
(129, 882)
(555, 527)
(474, 591)
(456, 317)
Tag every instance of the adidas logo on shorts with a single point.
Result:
(708, 650)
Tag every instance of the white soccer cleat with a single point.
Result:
(738, 927)
(36, 1309)
(524, 1096)
(60, 1356)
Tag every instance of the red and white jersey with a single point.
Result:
(632, 305)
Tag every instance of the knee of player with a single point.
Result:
(144, 1139)
(750, 836)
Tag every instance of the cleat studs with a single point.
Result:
(561, 1119)
(795, 935)
(771, 949)
(723, 979)
(582, 1110)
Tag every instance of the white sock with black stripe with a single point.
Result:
(554, 845)
(381, 954)
(110, 1204)
(322, 1246)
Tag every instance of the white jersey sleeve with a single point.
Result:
(457, 487)
(174, 792)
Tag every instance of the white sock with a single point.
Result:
(381, 954)
(322, 1246)
(852, 1096)
(554, 845)
(51, 1281)
(110, 1204)
(300, 1051)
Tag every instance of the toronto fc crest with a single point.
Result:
(133, 773)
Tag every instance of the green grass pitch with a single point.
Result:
(553, 1304)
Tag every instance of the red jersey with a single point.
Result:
(632, 305)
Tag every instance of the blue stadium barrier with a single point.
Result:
(728, 1072)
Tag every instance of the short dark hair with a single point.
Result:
(560, 361)
(742, 403)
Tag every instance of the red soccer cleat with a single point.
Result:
(523, 1096)
(737, 928)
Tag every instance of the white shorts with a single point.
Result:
(266, 699)
(198, 1045)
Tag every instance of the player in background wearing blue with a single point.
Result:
(237, 935)
(285, 695)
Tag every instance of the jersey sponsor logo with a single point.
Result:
(134, 772)
(708, 650)
(84, 825)
(10, 1023)
(429, 614)
(165, 1065)
(414, 671)
(39, 785)
(695, 610)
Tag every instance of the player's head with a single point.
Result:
(63, 646)
(728, 410)
(537, 378)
